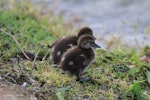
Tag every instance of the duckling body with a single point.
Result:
(77, 59)
(62, 45)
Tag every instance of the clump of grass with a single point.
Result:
(31, 29)
(117, 74)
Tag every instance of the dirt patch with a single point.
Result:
(8, 92)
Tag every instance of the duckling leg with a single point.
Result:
(78, 78)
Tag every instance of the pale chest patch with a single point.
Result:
(82, 55)
(58, 53)
(70, 45)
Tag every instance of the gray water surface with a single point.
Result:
(127, 20)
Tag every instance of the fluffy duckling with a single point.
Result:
(61, 45)
(78, 58)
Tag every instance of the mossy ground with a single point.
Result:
(116, 75)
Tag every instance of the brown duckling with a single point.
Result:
(61, 45)
(78, 58)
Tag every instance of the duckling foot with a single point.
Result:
(83, 79)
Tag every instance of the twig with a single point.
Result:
(16, 43)
(45, 56)
(33, 63)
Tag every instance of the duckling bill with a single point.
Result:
(62, 45)
(78, 58)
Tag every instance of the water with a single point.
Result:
(126, 20)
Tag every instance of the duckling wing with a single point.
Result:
(78, 63)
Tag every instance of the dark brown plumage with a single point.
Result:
(78, 58)
(61, 45)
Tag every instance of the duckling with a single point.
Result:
(78, 58)
(61, 45)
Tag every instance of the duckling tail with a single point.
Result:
(32, 56)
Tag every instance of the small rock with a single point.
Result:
(25, 84)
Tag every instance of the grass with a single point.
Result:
(116, 75)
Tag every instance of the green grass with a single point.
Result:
(112, 75)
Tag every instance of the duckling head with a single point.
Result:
(85, 30)
(87, 42)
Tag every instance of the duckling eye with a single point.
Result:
(89, 33)
(91, 42)
(84, 42)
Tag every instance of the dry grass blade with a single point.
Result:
(33, 63)
(16, 43)
(45, 56)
